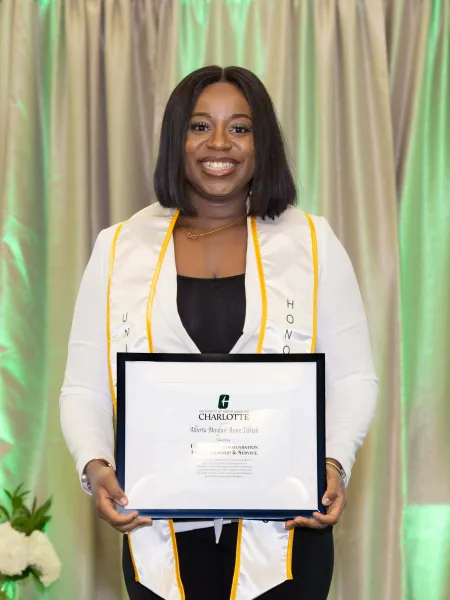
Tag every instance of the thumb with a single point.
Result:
(332, 490)
(115, 491)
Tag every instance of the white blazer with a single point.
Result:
(302, 296)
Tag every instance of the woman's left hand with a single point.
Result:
(334, 499)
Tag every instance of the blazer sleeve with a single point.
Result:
(86, 410)
(343, 335)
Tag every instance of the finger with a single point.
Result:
(326, 520)
(289, 524)
(107, 511)
(136, 524)
(310, 523)
(110, 487)
(338, 505)
(332, 491)
(333, 515)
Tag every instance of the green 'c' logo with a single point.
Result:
(223, 400)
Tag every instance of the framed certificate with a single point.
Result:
(221, 436)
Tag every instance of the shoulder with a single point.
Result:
(298, 222)
(314, 231)
(295, 216)
(141, 220)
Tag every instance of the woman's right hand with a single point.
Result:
(107, 493)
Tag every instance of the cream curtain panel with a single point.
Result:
(362, 88)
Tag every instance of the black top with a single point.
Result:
(212, 311)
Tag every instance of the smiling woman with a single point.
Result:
(221, 122)
(222, 263)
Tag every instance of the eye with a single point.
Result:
(240, 129)
(199, 126)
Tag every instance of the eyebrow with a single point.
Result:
(234, 116)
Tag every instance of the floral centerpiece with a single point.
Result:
(24, 547)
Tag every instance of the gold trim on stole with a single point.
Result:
(108, 335)
(136, 575)
(289, 555)
(151, 349)
(177, 560)
(258, 351)
(237, 564)
(262, 331)
(151, 296)
(315, 256)
(262, 285)
(112, 256)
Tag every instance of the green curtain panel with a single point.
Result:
(362, 89)
(422, 117)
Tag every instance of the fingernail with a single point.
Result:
(326, 501)
(123, 501)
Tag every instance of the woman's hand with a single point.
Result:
(107, 493)
(334, 499)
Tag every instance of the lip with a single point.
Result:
(218, 172)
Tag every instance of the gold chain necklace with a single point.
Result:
(194, 236)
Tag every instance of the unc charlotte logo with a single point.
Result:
(223, 400)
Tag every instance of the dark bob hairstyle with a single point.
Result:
(273, 187)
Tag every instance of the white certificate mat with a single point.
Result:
(203, 436)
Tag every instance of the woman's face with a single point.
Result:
(220, 158)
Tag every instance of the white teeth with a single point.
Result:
(218, 166)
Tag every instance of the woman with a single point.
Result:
(188, 274)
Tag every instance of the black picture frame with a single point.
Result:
(319, 359)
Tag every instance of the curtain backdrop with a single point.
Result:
(362, 89)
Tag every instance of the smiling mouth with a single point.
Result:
(218, 167)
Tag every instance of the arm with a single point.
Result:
(85, 402)
(351, 383)
(343, 335)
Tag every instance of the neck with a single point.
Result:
(220, 210)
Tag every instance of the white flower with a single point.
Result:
(43, 557)
(13, 550)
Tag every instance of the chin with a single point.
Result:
(217, 190)
(216, 193)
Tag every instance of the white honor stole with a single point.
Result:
(281, 284)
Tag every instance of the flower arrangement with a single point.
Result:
(24, 548)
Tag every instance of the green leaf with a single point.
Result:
(42, 523)
(40, 518)
(16, 501)
(18, 488)
(4, 512)
(21, 513)
(22, 524)
(43, 510)
(23, 510)
(22, 518)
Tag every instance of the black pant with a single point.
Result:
(207, 568)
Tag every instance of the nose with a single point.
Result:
(219, 139)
